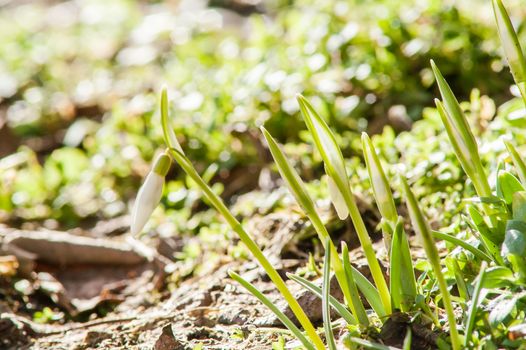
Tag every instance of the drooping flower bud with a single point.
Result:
(332, 156)
(337, 199)
(150, 193)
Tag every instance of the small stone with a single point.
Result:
(167, 341)
(93, 338)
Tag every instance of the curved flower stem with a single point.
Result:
(367, 246)
(217, 203)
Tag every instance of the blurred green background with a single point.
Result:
(79, 86)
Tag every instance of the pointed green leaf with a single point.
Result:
(455, 115)
(507, 185)
(460, 134)
(314, 289)
(452, 265)
(403, 283)
(326, 287)
(291, 177)
(511, 45)
(280, 315)
(422, 229)
(358, 308)
(520, 166)
(467, 155)
(458, 242)
(472, 312)
(369, 291)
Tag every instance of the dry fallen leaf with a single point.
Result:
(8, 265)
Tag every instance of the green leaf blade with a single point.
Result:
(280, 315)
(424, 232)
(511, 45)
(326, 287)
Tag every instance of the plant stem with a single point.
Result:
(367, 246)
(348, 287)
(470, 323)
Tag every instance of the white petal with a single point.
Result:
(337, 200)
(147, 199)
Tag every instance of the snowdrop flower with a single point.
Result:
(150, 193)
(337, 199)
(332, 157)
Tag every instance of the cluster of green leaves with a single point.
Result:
(494, 258)
(358, 67)
(58, 70)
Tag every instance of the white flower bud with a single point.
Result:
(337, 199)
(149, 194)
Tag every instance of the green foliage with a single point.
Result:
(361, 58)
(363, 61)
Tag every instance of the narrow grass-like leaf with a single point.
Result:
(512, 47)
(453, 265)
(334, 164)
(472, 312)
(280, 315)
(454, 240)
(520, 166)
(421, 227)
(326, 288)
(314, 289)
(299, 191)
(291, 177)
(370, 345)
(368, 290)
(460, 135)
(403, 283)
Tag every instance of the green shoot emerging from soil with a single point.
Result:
(486, 271)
